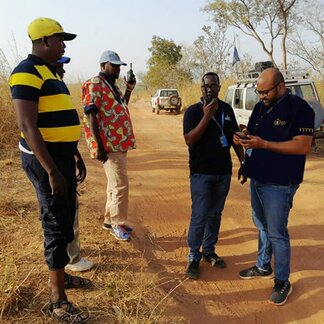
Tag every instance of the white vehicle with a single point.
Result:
(167, 99)
(243, 97)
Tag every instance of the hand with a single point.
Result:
(240, 175)
(57, 183)
(253, 142)
(211, 108)
(82, 171)
(239, 135)
(130, 86)
(102, 154)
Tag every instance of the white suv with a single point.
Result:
(242, 96)
(167, 99)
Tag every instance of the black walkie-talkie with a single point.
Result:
(208, 99)
(130, 78)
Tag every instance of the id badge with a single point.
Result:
(248, 152)
(223, 140)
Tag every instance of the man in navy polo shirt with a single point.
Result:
(208, 131)
(279, 135)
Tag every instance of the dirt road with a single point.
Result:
(160, 209)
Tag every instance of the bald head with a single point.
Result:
(271, 75)
(271, 86)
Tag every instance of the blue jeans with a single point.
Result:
(208, 195)
(271, 204)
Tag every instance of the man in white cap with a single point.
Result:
(109, 135)
(50, 131)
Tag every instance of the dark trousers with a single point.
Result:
(56, 213)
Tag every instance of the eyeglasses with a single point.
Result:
(265, 92)
(213, 86)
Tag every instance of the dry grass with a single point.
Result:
(124, 291)
(8, 127)
(320, 90)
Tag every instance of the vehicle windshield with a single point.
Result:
(168, 93)
(305, 91)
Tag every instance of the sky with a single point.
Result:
(125, 26)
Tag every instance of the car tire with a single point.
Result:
(174, 100)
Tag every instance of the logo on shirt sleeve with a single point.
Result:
(306, 130)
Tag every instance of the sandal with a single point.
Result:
(76, 282)
(65, 312)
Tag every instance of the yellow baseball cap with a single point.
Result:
(41, 27)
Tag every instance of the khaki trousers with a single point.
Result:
(117, 188)
(73, 248)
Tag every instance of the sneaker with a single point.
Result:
(107, 227)
(119, 232)
(280, 292)
(215, 260)
(192, 271)
(255, 272)
(82, 265)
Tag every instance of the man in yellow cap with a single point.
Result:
(50, 131)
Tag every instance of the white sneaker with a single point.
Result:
(82, 265)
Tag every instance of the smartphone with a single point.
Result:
(241, 135)
(209, 100)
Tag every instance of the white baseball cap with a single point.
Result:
(111, 57)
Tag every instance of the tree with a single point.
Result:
(310, 48)
(189, 63)
(286, 16)
(164, 51)
(253, 17)
(212, 50)
(163, 65)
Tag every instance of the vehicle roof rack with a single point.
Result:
(287, 74)
(248, 76)
(294, 74)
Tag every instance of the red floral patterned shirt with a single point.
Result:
(115, 126)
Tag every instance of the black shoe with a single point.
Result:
(215, 260)
(255, 272)
(192, 271)
(280, 292)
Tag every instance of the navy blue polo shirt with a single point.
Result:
(290, 116)
(208, 156)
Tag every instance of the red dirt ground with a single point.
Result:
(160, 210)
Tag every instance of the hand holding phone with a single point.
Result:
(130, 78)
(242, 135)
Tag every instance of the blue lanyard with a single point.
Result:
(221, 127)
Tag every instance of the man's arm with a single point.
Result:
(196, 133)
(27, 113)
(102, 154)
(299, 145)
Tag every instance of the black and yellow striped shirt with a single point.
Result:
(58, 120)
